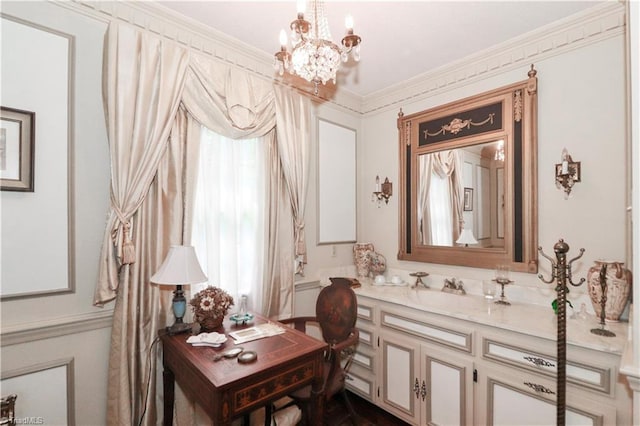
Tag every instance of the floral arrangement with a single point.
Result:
(210, 306)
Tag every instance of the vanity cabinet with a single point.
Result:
(361, 376)
(510, 397)
(424, 384)
(516, 384)
(429, 367)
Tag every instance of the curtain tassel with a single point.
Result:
(128, 249)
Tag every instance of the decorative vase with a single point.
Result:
(210, 306)
(377, 263)
(618, 288)
(361, 258)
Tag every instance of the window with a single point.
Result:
(229, 220)
(440, 208)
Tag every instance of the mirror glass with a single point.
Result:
(476, 196)
(468, 181)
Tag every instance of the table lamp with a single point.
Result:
(179, 268)
(466, 238)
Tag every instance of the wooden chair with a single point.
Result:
(336, 312)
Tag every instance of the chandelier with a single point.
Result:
(314, 56)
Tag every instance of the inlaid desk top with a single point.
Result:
(227, 388)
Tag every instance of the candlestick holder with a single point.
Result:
(503, 300)
(502, 278)
(419, 276)
(561, 274)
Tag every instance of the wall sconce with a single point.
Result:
(382, 192)
(567, 173)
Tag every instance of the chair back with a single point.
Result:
(336, 310)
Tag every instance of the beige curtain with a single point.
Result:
(141, 309)
(448, 164)
(424, 216)
(145, 80)
(279, 253)
(293, 148)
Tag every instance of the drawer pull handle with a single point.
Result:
(348, 377)
(539, 362)
(416, 388)
(423, 390)
(539, 388)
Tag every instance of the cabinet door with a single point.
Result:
(447, 387)
(509, 397)
(399, 389)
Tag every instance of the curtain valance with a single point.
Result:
(145, 81)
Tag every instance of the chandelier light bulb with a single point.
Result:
(301, 6)
(283, 39)
(348, 22)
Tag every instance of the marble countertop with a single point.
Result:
(534, 320)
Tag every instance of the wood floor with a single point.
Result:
(368, 413)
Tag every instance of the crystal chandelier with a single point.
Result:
(314, 56)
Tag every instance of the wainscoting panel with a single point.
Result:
(44, 393)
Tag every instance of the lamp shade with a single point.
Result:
(466, 237)
(181, 266)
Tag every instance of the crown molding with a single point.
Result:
(600, 22)
(591, 26)
(38, 330)
(154, 18)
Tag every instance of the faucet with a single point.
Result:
(453, 285)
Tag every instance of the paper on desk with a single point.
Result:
(256, 332)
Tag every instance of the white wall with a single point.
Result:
(581, 101)
(40, 330)
(330, 256)
(37, 61)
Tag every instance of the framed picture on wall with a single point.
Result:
(468, 199)
(17, 140)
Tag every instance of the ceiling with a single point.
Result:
(400, 39)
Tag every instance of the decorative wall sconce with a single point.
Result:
(567, 173)
(382, 192)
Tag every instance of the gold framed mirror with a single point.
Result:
(468, 180)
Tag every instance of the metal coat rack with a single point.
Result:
(561, 273)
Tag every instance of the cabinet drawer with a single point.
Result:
(365, 312)
(367, 335)
(592, 377)
(432, 332)
(364, 359)
(360, 382)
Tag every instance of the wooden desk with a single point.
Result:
(227, 389)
